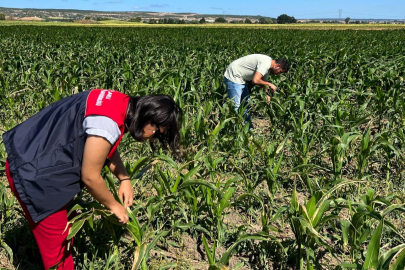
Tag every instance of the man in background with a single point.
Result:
(254, 68)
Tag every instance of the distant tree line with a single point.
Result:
(282, 19)
(318, 21)
(137, 19)
(168, 21)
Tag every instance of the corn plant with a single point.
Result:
(366, 149)
(5, 215)
(339, 146)
(215, 264)
(376, 259)
(271, 157)
(363, 215)
(306, 222)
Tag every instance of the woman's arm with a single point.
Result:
(118, 169)
(96, 150)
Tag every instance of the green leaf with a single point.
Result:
(75, 208)
(169, 160)
(257, 236)
(373, 249)
(154, 241)
(216, 129)
(199, 153)
(164, 181)
(262, 236)
(318, 215)
(389, 209)
(226, 199)
(345, 224)
(242, 197)
(138, 256)
(294, 200)
(75, 228)
(278, 213)
(311, 206)
(8, 250)
(399, 263)
(142, 172)
(173, 189)
(336, 187)
(385, 259)
(136, 167)
(200, 182)
(211, 259)
(191, 173)
(183, 226)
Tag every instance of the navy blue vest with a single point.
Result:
(45, 155)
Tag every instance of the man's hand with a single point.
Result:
(272, 87)
(126, 193)
(120, 212)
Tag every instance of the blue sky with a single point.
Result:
(300, 9)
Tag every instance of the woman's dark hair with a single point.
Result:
(160, 110)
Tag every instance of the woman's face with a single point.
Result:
(151, 131)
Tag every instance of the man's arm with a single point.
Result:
(258, 80)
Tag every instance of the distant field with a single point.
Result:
(114, 23)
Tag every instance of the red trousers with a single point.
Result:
(49, 233)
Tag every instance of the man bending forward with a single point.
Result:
(254, 68)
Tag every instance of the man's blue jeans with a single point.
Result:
(239, 93)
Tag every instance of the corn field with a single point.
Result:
(318, 184)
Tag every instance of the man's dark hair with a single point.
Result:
(285, 65)
(160, 110)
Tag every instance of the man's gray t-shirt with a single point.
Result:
(243, 69)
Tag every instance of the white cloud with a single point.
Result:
(159, 6)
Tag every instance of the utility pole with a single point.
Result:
(340, 13)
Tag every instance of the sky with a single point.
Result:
(300, 9)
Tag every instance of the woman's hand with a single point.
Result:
(120, 212)
(126, 193)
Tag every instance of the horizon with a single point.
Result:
(332, 10)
